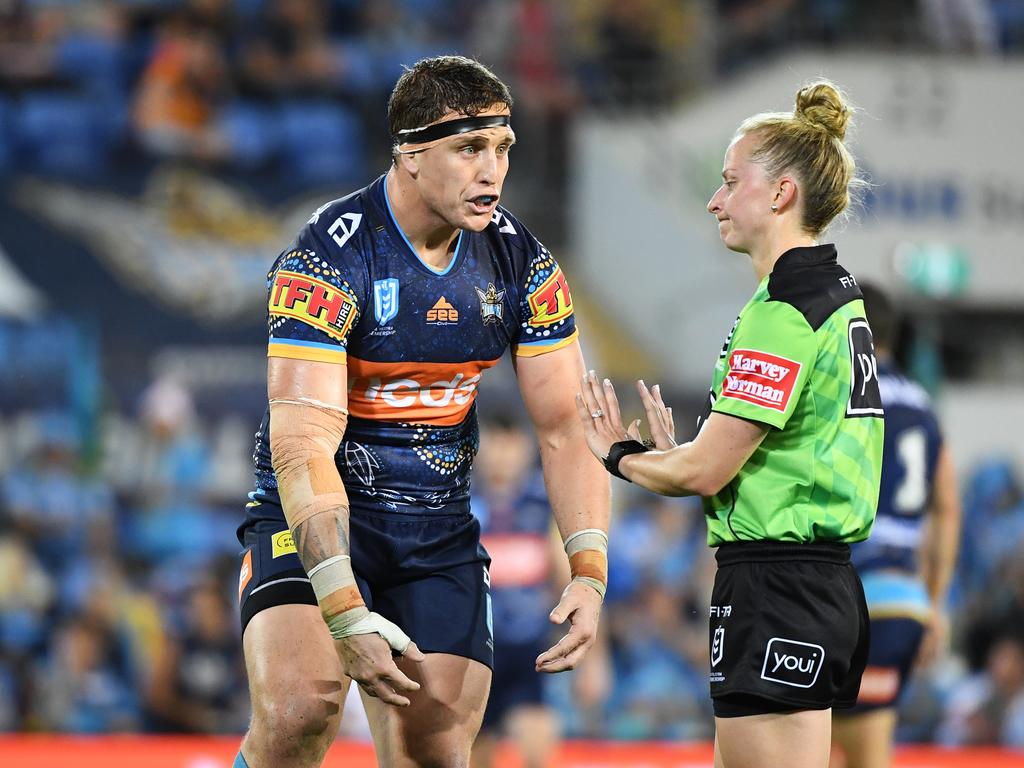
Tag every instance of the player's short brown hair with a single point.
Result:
(435, 86)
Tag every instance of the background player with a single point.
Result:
(389, 306)
(789, 456)
(527, 562)
(907, 564)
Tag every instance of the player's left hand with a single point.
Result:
(598, 409)
(581, 605)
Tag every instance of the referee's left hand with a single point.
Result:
(580, 604)
(598, 409)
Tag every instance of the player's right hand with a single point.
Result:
(367, 658)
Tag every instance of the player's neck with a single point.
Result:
(432, 238)
(768, 252)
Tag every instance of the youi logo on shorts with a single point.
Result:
(792, 662)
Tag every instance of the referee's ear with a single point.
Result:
(786, 189)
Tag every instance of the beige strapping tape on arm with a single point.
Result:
(304, 436)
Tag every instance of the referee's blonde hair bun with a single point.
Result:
(822, 105)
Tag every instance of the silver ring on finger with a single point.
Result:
(597, 414)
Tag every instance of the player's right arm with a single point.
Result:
(308, 415)
(939, 551)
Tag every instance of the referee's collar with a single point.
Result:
(807, 256)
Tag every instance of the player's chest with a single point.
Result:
(469, 313)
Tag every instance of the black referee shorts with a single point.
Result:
(788, 628)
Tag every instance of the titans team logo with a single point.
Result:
(385, 300)
(491, 308)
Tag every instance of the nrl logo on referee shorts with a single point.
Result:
(791, 662)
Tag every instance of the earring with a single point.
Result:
(775, 209)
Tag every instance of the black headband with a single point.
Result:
(450, 128)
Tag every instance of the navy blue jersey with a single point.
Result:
(909, 459)
(352, 290)
(517, 535)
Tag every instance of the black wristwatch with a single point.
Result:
(620, 449)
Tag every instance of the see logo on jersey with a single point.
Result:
(314, 302)
(442, 313)
(760, 378)
(551, 301)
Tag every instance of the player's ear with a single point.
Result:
(410, 163)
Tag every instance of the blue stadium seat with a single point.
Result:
(253, 131)
(63, 134)
(96, 63)
(323, 143)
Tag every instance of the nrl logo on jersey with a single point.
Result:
(385, 300)
(491, 308)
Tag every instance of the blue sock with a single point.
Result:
(239, 761)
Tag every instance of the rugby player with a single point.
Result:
(789, 454)
(362, 559)
(907, 564)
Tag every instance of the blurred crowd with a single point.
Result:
(118, 575)
(255, 84)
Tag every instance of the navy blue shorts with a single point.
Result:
(427, 574)
(894, 645)
(515, 682)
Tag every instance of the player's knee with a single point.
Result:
(296, 722)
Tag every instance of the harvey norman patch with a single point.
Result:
(314, 302)
(760, 378)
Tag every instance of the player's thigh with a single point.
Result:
(293, 667)
(866, 738)
(793, 739)
(442, 720)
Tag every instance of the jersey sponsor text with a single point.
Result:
(313, 302)
(760, 378)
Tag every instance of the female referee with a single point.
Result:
(788, 455)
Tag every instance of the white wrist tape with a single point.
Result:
(360, 621)
(331, 575)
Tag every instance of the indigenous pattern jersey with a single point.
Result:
(800, 359)
(416, 342)
(517, 536)
(887, 562)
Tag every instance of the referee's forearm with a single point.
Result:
(674, 472)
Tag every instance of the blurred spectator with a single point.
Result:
(84, 686)
(198, 683)
(173, 459)
(27, 45)
(184, 85)
(26, 600)
(988, 708)
(960, 26)
(290, 54)
(51, 501)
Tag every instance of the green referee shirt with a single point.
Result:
(800, 360)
